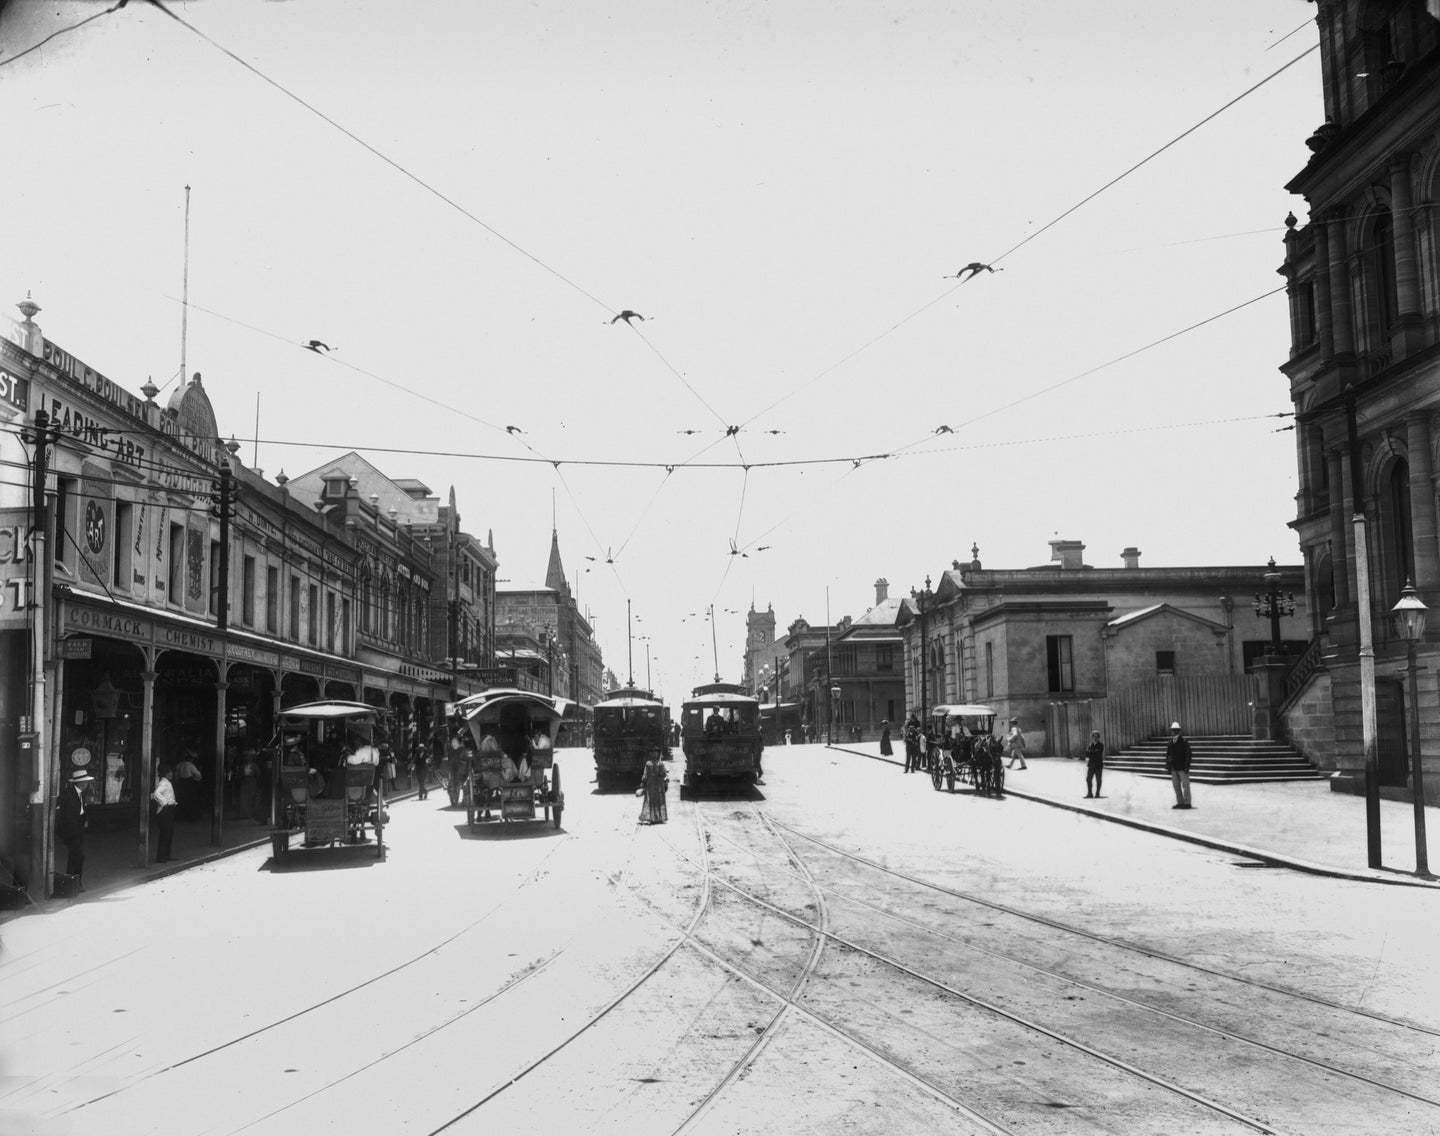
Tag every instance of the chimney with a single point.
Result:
(1131, 556)
(882, 591)
(1070, 553)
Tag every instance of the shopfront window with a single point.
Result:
(100, 719)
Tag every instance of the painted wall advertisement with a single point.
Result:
(15, 576)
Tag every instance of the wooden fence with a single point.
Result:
(1202, 704)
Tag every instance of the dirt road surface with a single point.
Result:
(842, 949)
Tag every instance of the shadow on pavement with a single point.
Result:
(509, 830)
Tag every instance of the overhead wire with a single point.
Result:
(1049, 225)
(62, 31)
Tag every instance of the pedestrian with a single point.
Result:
(885, 748)
(911, 735)
(249, 774)
(420, 767)
(189, 787)
(1015, 745)
(165, 809)
(1177, 761)
(1094, 764)
(70, 825)
(653, 783)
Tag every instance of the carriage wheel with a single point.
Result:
(935, 775)
(949, 778)
(555, 793)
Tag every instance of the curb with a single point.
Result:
(1155, 829)
(151, 873)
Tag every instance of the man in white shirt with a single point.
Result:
(164, 798)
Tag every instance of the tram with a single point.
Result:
(513, 771)
(631, 728)
(720, 735)
(325, 756)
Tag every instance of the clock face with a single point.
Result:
(95, 526)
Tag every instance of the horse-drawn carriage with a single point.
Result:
(512, 770)
(963, 747)
(324, 757)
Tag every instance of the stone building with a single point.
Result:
(1057, 645)
(1363, 277)
(858, 677)
(552, 615)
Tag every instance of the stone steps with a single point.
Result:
(1220, 760)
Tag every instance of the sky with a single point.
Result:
(785, 192)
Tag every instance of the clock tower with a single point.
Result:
(759, 643)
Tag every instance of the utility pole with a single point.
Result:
(39, 611)
(225, 495)
(1367, 637)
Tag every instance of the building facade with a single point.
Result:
(1052, 645)
(856, 682)
(1363, 277)
(130, 635)
(551, 615)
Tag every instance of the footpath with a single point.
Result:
(1295, 824)
(110, 857)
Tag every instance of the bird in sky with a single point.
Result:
(514, 430)
(974, 268)
(943, 430)
(316, 346)
(627, 315)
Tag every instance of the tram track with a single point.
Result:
(1074, 1044)
(1111, 941)
(350, 991)
(595, 1018)
(1097, 990)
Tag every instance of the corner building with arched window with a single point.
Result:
(1363, 278)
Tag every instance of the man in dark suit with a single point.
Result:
(1177, 761)
(70, 826)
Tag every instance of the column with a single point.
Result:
(1324, 324)
(1422, 503)
(1339, 529)
(1407, 266)
(1342, 317)
(146, 781)
(217, 818)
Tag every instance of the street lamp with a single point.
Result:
(1408, 616)
(834, 711)
(923, 601)
(1272, 605)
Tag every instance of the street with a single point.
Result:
(840, 949)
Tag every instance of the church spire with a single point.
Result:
(555, 572)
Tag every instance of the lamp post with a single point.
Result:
(923, 600)
(1408, 616)
(1272, 605)
(834, 711)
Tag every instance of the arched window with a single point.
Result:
(366, 620)
(1382, 272)
(1399, 540)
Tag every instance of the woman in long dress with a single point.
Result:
(653, 783)
(885, 750)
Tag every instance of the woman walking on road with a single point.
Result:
(653, 783)
(885, 749)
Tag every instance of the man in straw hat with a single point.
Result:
(70, 826)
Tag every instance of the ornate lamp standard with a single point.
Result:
(1408, 616)
(834, 711)
(1272, 605)
(923, 600)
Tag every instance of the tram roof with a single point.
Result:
(722, 698)
(628, 702)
